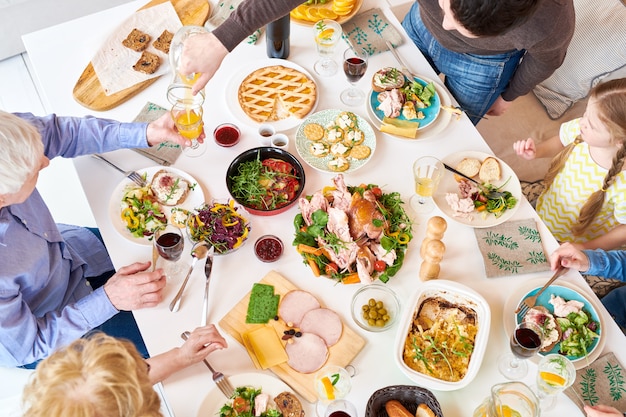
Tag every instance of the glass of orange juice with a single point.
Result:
(187, 115)
(327, 33)
(427, 172)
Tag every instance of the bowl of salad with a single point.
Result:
(265, 180)
(222, 224)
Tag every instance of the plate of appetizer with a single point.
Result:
(274, 91)
(335, 140)
(570, 319)
(492, 201)
(256, 394)
(137, 212)
(311, 11)
(378, 232)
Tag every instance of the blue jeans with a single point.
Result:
(475, 81)
(615, 303)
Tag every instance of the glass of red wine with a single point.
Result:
(354, 66)
(340, 408)
(525, 342)
(169, 244)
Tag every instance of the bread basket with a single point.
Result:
(410, 396)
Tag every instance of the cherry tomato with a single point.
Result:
(380, 265)
(240, 405)
(377, 192)
(331, 268)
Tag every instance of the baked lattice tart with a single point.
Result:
(276, 93)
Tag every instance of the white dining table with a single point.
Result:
(60, 53)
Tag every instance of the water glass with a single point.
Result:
(427, 172)
(327, 33)
(554, 375)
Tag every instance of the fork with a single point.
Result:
(132, 175)
(220, 380)
(530, 302)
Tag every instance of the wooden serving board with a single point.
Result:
(340, 354)
(89, 92)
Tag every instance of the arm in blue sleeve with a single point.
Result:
(608, 264)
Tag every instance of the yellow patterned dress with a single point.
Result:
(559, 205)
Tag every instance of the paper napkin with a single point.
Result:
(512, 248)
(164, 153)
(602, 382)
(369, 30)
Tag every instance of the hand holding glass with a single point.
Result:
(327, 34)
(525, 342)
(427, 172)
(354, 66)
(187, 115)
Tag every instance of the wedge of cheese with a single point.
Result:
(397, 127)
(264, 347)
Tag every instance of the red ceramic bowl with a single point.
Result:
(262, 153)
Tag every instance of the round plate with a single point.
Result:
(271, 385)
(567, 291)
(323, 118)
(194, 198)
(427, 132)
(431, 112)
(232, 94)
(449, 185)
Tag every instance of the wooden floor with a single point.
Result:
(19, 94)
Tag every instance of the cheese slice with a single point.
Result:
(397, 127)
(264, 347)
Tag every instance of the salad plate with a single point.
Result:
(448, 184)
(269, 384)
(194, 199)
(324, 118)
(567, 291)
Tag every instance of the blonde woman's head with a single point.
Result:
(610, 101)
(99, 376)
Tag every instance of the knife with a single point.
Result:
(405, 70)
(208, 267)
(449, 168)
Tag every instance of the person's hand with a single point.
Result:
(133, 287)
(601, 410)
(163, 129)
(202, 53)
(499, 107)
(570, 256)
(201, 342)
(525, 148)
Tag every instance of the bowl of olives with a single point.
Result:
(375, 307)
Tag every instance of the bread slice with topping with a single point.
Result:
(387, 78)
(168, 188)
(490, 170)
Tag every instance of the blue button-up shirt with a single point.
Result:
(45, 301)
(609, 264)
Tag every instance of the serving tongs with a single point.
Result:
(490, 194)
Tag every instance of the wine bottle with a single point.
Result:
(277, 37)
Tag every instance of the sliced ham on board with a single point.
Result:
(295, 304)
(323, 322)
(307, 353)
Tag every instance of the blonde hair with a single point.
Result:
(99, 376)
(21, 153)
(610, 101)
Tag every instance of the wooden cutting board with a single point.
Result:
(89, 92)
(341, 354)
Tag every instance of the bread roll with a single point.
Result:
(395, 409)
(469, 167)
(489, 170)
(424, 411)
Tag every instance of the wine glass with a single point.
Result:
(327, 34)
(331, 383)
(354, 66)
(169, 244)
(427, 172)
(341, 408)
(187, 115)
(525, 342)
(554, 375)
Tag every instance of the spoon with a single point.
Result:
(199, 251)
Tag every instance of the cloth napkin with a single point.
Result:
(512, 248)
(602, 382)
(165, 153)
(222, 10)
(369, 30)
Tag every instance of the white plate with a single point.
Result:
(271, 385)
(323, 118)
(430, 131)
(194, 199)
(431, 112)
(563, 288)
(449, 185)
(232, 94)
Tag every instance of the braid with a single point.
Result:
(596, 200)
(558, 161)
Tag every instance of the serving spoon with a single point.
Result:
(199, 251)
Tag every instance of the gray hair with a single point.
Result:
(21, 151)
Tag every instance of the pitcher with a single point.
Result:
(509, 399)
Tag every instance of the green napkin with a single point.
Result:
(369, 30)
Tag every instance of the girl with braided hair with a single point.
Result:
(584, 200)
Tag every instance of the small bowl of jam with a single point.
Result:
(227, 135)
(268, 248)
